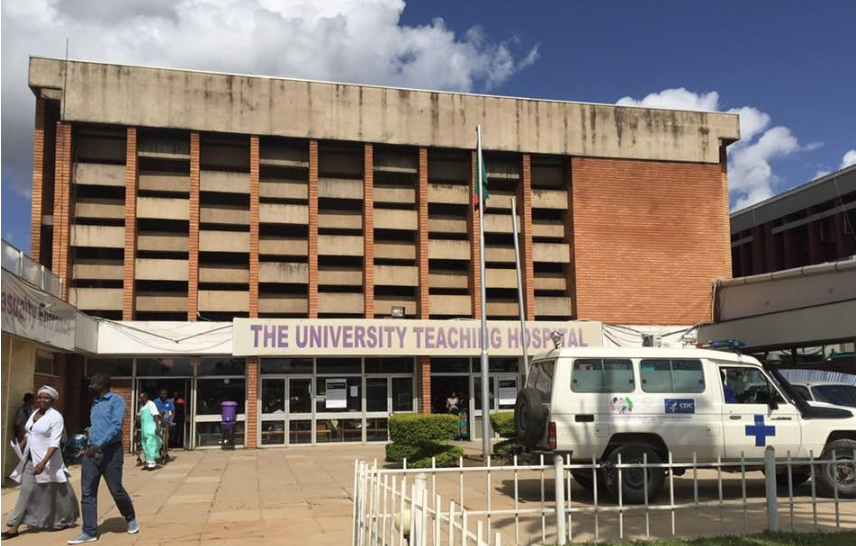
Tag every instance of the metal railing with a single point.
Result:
(537, 503)
(18, 263)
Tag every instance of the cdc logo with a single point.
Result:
(680, 405)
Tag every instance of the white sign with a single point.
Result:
(337, 390)
(403, 337)
(507, 392)
(32, 314)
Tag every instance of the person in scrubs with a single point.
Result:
(150, 420)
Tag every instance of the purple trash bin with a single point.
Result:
(228, 412)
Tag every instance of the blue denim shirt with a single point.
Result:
(106, 417)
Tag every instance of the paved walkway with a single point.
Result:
(268, 496)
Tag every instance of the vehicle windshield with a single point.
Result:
(841, 395)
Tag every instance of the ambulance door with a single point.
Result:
(755, 415)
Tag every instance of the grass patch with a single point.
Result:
(843, 538)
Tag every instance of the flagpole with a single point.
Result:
(520, 289)
(485, 391)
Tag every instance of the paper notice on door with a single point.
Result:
(507, 392)
(337, 392)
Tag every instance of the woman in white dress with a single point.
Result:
(46, 500)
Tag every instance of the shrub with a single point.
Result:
(415, 429)
(504, 449)
(420, 457)
(503, 424)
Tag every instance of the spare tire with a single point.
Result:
(529, 417)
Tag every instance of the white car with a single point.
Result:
(829, 392)
(598, 403)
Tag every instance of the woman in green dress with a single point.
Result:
(149, 425)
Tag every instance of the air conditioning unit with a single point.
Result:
(651, 340)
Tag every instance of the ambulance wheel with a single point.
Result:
(842, 471)
(633, 486)
(585, 479)
(529, 417)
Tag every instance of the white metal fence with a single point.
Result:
(537, 503)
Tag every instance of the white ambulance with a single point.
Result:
(602, 402)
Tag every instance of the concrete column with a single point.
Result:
(312, 295)
(368, 231)
(62, 207)
(131, 182)
(757, 250)
(251, 426)
(473, 225)
(254, 227)
(570, 269)
(38, 181)
(524, 210)
(423, 373)
(422, 300)
(193, 236)
(771, 249)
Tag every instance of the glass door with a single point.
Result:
(502, 390)
(273, 408)
(377, 409)
(300, 410)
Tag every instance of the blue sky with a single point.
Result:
(789, 64)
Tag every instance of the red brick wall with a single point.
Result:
(368, 231)
(254, 226)
(252, 402)
(312, 302)
(57, 381)
(122, 387)
(473, 225)
(524, 208)
(423, 373)
(38, 181)
(422, 300)
(193, 236)
(649, 239)
(62, 207)
(131, 177)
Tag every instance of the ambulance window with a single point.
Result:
(747, 386)
(672, 375)
(541, 378)
(602, 375)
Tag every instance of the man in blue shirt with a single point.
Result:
(104, 457)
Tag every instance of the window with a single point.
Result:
(402, 394)
(746, 386)
(450, 365)
(389, 365)
(339, 365)
(222, 366)
(286, 365)
(841, 395)
(44, 363)
(541, 378)
(273, 396)
(803, 391)
(114, 367)
(332, 402)
(376, 394)
(602, 375)
(163, 366)
(672, 375)
(211, 392)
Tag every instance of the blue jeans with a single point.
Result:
(107, 463)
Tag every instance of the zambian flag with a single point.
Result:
(481, 184)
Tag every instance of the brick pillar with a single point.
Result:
(423, 304)
(131, 178)
(251, 426)
(62, 207)
(193, 237)
(771, 249)
(312, 295)
(570, 269)
(423, 372)
(123, 388)
(55, 380)
(757, 250)
(524, 210)
(38, 181)
(844, 242)
(725, 249)
(368, 231)
(254, 227)
(473, 225)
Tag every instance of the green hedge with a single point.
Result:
(504, 449)
(503, 424)
(420, 457)
(415, 429)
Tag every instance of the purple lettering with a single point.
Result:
(418, 330)
(441, 338)
(282, 338)
(371, 337)
(401, 331)
(429, 338)
(495, 338)
(348, 337)
(572, 338)
(270, 336)
(453, 338)
(255, 328)
(581, 340)
(315, 333)
(359, 337)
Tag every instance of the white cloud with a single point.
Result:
(848, 159)
(344, 40)
(751, 177)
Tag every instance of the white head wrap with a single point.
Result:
(50, 391)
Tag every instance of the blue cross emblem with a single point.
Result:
(760, 431)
